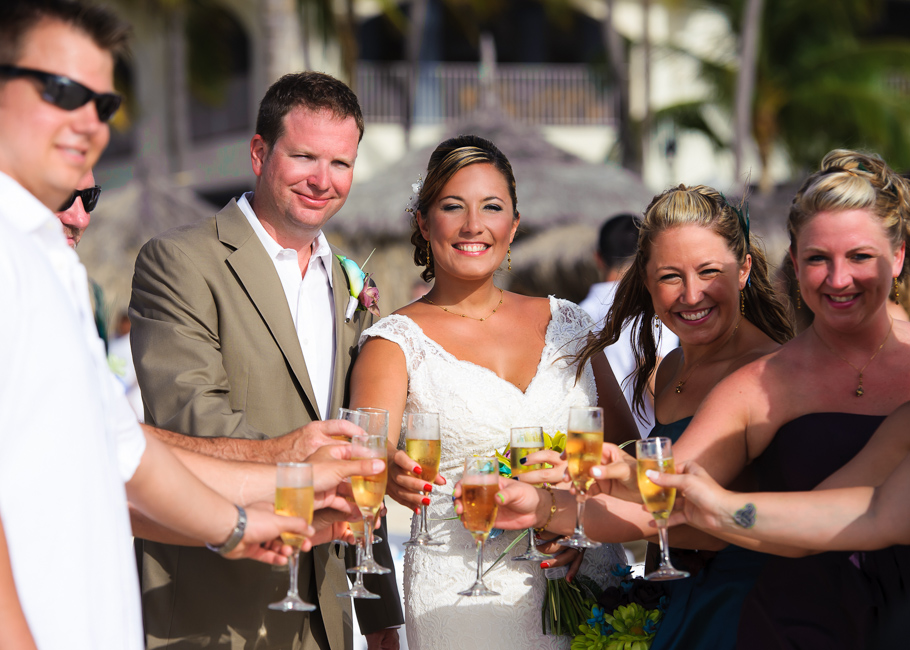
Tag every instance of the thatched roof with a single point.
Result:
(554, 187)
(124, 220)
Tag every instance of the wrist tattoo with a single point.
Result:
(745, 516)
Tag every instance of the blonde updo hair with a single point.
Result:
(680, 206)
(850, 180)
(450, 157)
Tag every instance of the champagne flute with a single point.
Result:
(584, 444)
(479, 485)
(657, 454)
(294, 498)
(524, 441)
(358, 589)
(368, 494)
(424, 448)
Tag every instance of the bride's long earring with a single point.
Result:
(510, 259)
(429, 255)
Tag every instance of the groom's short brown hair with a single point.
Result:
(314, 91)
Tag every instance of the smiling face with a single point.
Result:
(694, 281)
(305, 178)
(471, 223)
(845, 264)
(44, 148)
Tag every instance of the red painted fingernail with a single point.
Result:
(425, 501)
(417, 511)
(427, 487)
(417, 469)
(544, 565)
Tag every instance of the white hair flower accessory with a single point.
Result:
(414, 199)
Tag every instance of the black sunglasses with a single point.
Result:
(90, 196)
(67, 94)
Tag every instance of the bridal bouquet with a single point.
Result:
(624, 617)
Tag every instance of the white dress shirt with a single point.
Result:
(68, 442)
(310, 301)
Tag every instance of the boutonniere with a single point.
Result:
(363, 296)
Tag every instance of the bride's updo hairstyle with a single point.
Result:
(450, 157)
(681, 206)
(850, 180)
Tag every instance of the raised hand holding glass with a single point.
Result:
(294, 498)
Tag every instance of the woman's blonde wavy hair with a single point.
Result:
(679, 206)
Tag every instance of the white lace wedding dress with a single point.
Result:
(477, 409)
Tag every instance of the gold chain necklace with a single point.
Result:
(859, 389)
(682, 382)
(449, 311)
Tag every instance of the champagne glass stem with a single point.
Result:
(293, 562)
(479, 580)
(368, 521)
(580, 515)
(531, 546)
(663, 537)
(358, 581)
(423, 520)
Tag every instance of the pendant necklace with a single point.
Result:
(449, 311)
(859, 389)
(682, 382)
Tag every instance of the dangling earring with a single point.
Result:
(429, 255)
(799, 304)
(897, 292)
(510, 260)
(742, 302)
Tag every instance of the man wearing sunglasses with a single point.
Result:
(71, 450)
(75, 213)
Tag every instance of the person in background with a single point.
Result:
(616, 246)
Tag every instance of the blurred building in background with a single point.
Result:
(600, 103)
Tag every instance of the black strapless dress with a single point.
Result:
(831, 600)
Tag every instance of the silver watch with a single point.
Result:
(236, 535)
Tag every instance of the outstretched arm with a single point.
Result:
(166, 492)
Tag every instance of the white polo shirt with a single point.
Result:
(310, 301)
(68, 442)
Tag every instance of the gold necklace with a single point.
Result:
(449, 311)
(859, 389)
(682, 382)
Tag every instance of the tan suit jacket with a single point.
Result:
(217, 354)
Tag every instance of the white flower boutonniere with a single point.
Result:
(363, 296)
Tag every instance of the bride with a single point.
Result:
(486, 360)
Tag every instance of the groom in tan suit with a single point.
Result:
(241, 348)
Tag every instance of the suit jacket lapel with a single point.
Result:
(343, 335)
(256, 274)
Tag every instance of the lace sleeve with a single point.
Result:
(401, 331)
(571, 326)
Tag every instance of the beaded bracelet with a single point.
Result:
(552, 509)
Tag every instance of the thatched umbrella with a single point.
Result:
(556, 190)
(124, 220)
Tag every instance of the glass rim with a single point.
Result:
(293, 464)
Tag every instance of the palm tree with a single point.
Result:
(818, 84)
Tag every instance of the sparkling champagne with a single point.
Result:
(583, 451)
(369, 491)
(480, 505)
(426, 454)
(517, 454)
(658, 500)
(294, 502)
